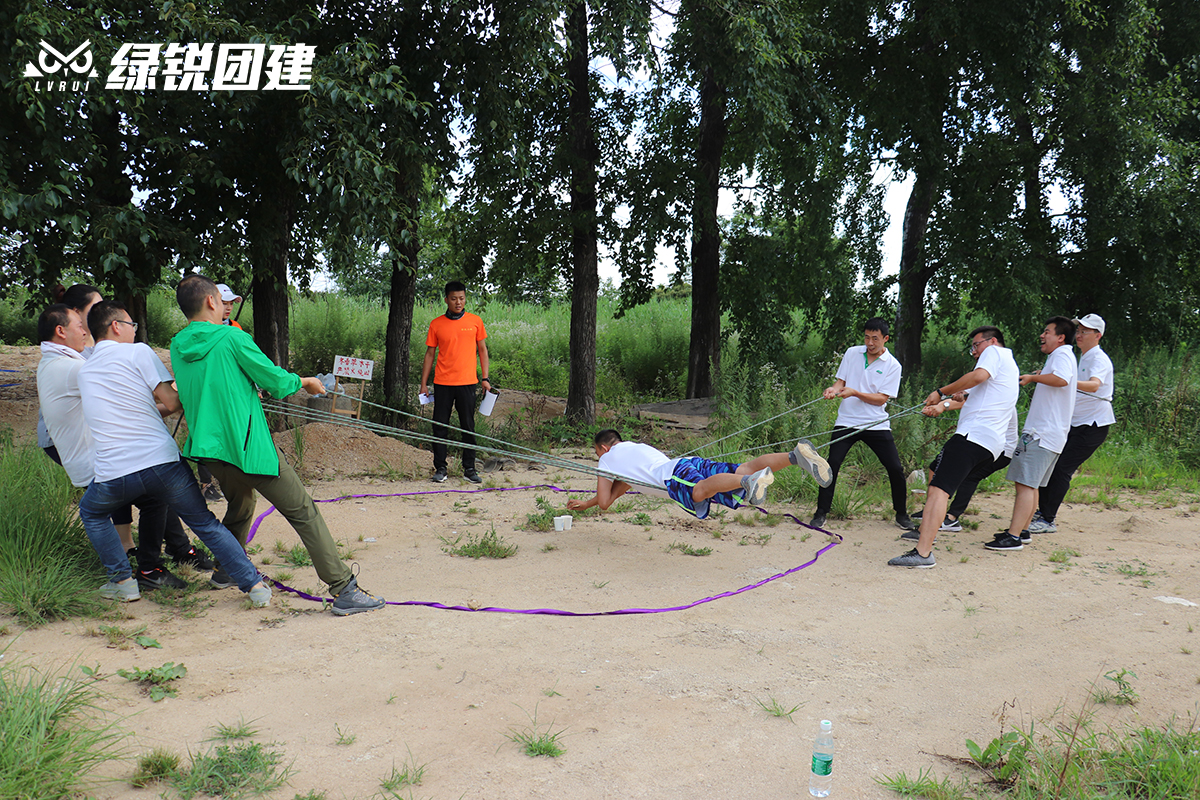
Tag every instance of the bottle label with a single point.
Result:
(822, 765)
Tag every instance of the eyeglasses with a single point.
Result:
(976, 345)
(127, 322)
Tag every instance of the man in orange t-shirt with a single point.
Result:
(457, 338)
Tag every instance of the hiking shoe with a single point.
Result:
(1042, 526)
(439, 476)
(221, 580)
(472, 476)
(756, 485)
(950, 524)
(913, 559)
(158, 578)
(126, 591)
(1025, 537)
(1004, 541)
(804, 455)
(260, 595)
(353, 600)
(818, 520)
(211, 492)
(196, 560)
(905, 522)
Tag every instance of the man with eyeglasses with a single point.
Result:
(868, 377)
(1045, 431)
(979, 437)
(1089, 423)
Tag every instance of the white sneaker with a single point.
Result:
(756, 485)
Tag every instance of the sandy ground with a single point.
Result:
(906, 663)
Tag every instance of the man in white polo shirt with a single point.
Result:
(1089, 424)
(125, 392)
(869, 376)
(979, 438)
(1045, 431)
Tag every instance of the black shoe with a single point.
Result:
(197, 560)
(353, 600)
(913, 535)
(211, 492)
(158, 578)
(917, 516)
(905, 522)
(1004, 542)
(818, 520)
(439, 476)
(1025, 537)
(131, 554)
(472, 476)
(220, 580)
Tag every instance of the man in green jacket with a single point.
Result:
(216, 369)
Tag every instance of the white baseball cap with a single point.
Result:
(227, 296)
(1093, 321)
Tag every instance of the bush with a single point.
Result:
(17, 324)
(163, 317)
(326, 326)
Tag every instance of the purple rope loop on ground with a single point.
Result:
(835, 540)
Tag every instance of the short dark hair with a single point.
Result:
(54, 316)
(192, 290)
(876, 324)
(454, 286)
(1064, 327)
(77, 296)
(607, 437)
(989, 332)
(102, 315)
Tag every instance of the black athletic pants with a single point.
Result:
(1082, 441)
(445, 400)
(884, 447)
(966, 489)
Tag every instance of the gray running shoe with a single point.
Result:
(353, 600)
(805, 456)
(260, 595)
(906, 523)
(756, 486)
(1042, 526)
(125, 591)
(913, 559)
(439, 476)
(818, 520)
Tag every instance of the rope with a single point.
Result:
(755, 425)
(836, 539)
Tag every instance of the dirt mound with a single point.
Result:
(335, 451)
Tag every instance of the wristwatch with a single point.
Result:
(946, 404)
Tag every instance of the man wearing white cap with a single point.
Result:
(1089, 423)
(228, 298)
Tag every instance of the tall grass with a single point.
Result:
(48, 569)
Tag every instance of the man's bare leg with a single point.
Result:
(936, 501)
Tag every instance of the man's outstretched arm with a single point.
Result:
(607, 492)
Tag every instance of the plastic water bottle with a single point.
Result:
(821, 781)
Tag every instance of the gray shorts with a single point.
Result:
(1031, 463)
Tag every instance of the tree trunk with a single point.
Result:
(269, 228)
(585, 280)
(396, 366)
(704, 354)
(914, 274)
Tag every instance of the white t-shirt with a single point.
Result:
(1011, 435)
(1050, 410)
(58, 394)
(1095, 408)
(116, 385)
(640, 464)
(985, 416)
(880, 376)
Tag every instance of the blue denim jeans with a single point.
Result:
(174, 484)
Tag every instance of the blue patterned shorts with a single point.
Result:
(690, 471)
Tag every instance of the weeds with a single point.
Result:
(1122, 694)
(239, 730)
(773, 708)
(688, 550)
(156, 766)
(490, 545)
(237, 771)
(534, 741)
(156, 681)
(344, 739)
(409, 773)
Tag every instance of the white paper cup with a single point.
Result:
(559, 523)
(567, 522)
(489, 402)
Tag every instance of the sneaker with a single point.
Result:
(905, 522)
(1038, 514)
(1025, 537)
(439, 476)
(197, 560)
(917, 516)
(158, 578)
(818, 520)
(804, 455)
(131, 554)
(221, 580)
(913, 535)
(211, 492)
(756, 485)
(353, 600)
(126, 591)
(951, 525)
(472, 476)
(260, 595)
(1004, 541)
(913, 559)
(1042, 526)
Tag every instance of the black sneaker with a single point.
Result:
(950, 524)
(1025, 537)
(197, 560)
(221, 580)
(472, 476)
(913, 535)
(353, 600)
(439, 476)
(905, 522)
(1005, 542)
(212, 493)
(917, 516)
(818, 520)
(158, 578)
